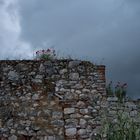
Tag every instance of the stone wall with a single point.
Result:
(52, 100)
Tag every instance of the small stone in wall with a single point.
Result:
(84, 111)
(13, 137)
(82, 132)
(69, 110)
(76, 115)
(74, 63)
(57, 123)
(63, 71)
(80, 104)
(35, 97)
(74, 76)
(41, 68)
(0, 123)
(112, 99)
(71, 131)
(130, 105)
(57, 115)
(83, 123)
(50, 138)
(133, 113)
(12, 75)
(85, 90)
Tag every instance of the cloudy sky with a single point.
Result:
(104, 32)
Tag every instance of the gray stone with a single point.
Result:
(71, 123)
(94, 111)
(57, 123)
(35, 127)
(81, 104)
(48, 64)
(70, 96)
(12, 131)
(35, 97)
(82, 132)
(57, 115)
(69, 110)
(83, 123)
(39, 77)
(73, 64)
(112, 112)
(22, 132)
(86, 90)
(37, 81)
(71, 131)
(12, 75)
(41, 68)
(74, 76)
(94, 91)
(76, 115)
(0, 123)
(78, 86)
(63, 71)
(21, 67)
(50, 138)
(112, 99)
(83, 97)
(130, 105)
(84, 111)
(133, 113)
(13, 137)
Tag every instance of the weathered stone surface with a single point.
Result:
(12, 75)
(58, 123)
(41, 68)
(50, 138)
(73, 64)
(13, 137)
(35, 96)
(83, 123)
(81, 104)
(55, 100)
(82, 132)
(74, 76)
(69, 110)
(112, 99)
(57, 115)
(71, 131)
(84, 111)
(130, 105)
(133, 113)
(71, 123)
(63, 71)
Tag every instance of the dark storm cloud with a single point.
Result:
(106, 30)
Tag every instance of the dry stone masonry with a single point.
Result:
(52, 100)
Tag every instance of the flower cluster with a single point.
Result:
(48, 54)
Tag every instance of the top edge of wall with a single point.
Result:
(54, 61)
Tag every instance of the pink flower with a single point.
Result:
(48, 50)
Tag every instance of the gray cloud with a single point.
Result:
(10, 43)
(96, 30)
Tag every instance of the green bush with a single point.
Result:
(123, 128)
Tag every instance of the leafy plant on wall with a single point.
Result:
(48, 54)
